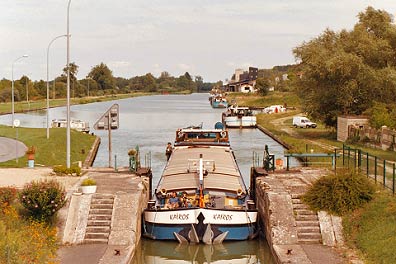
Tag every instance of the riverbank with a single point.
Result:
(23, 107)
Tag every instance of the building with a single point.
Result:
(344, 122)
(243, 81)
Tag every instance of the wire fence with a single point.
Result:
(380, 170)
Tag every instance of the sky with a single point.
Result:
(210, 38)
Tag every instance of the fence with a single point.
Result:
(382, 171)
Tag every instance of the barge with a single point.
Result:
(201, 196)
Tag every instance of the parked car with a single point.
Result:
(303, 122)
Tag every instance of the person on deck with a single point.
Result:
(173, 201)
(169, 150)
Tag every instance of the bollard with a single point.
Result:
(115, 163)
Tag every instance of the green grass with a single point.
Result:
(23, 106)
(273, 98)
(52, 151)
(372, 229)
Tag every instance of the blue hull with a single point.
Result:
(166, 232)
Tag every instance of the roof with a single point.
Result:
(182, 170)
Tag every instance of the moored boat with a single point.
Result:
(78, 125)
(201, 196)
(237, 116)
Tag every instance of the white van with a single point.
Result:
(303, 122)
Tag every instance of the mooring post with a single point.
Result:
(115, 163)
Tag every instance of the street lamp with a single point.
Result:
(49, 45)
(12, 87)
(68, 91)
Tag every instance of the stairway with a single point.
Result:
(308, 228)
(99, 219)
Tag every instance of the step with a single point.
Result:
(295, 196)
(99, 223)
(296, 201)
(314, 223)
(102, 196)
(102, 201)
(304, 236)
(308, 229)
(304, 212)
(99, 217)
(102, 206)
(101, 211)
(306, 217)
(300, 206)
(97, 229)
(96, 235)
(310, 241)
(96, 241)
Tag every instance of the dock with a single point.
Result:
(104, 227)
(296, 234)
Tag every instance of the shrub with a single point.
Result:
(88, 182)
(43, 198)
(7, 196)
(339, 193)
(63, 170)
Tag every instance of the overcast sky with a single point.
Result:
(210, 38)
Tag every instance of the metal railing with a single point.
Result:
(380, 170)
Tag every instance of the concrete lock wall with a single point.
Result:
(278, 217)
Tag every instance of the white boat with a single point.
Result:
(237, 116)
(78, 125)
(213, 203)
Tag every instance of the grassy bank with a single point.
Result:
(369, 229)
(50, 151)
(372, 228)
(23, 106)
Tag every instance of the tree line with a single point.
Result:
(100, 81)
(350, 72)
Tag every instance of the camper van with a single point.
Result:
(303, 122)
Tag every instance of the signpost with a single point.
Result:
(109, 121)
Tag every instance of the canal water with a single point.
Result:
(149, 122)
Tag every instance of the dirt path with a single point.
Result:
(280, 123)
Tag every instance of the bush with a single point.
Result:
(7, 196)
(88, 182)
(339, 193)
(63, 170)
(43, 198)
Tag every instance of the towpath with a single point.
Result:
(280, 123)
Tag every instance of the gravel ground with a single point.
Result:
(18, 177)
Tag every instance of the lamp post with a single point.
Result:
(49, 45)
(12, 87)
(68, 91)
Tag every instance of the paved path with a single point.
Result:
(11, 149)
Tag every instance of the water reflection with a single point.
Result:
(247, 252)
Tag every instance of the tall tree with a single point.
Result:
(262, 86)
(345, 72)
(103, 76)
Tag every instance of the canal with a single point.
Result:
(150, 122)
